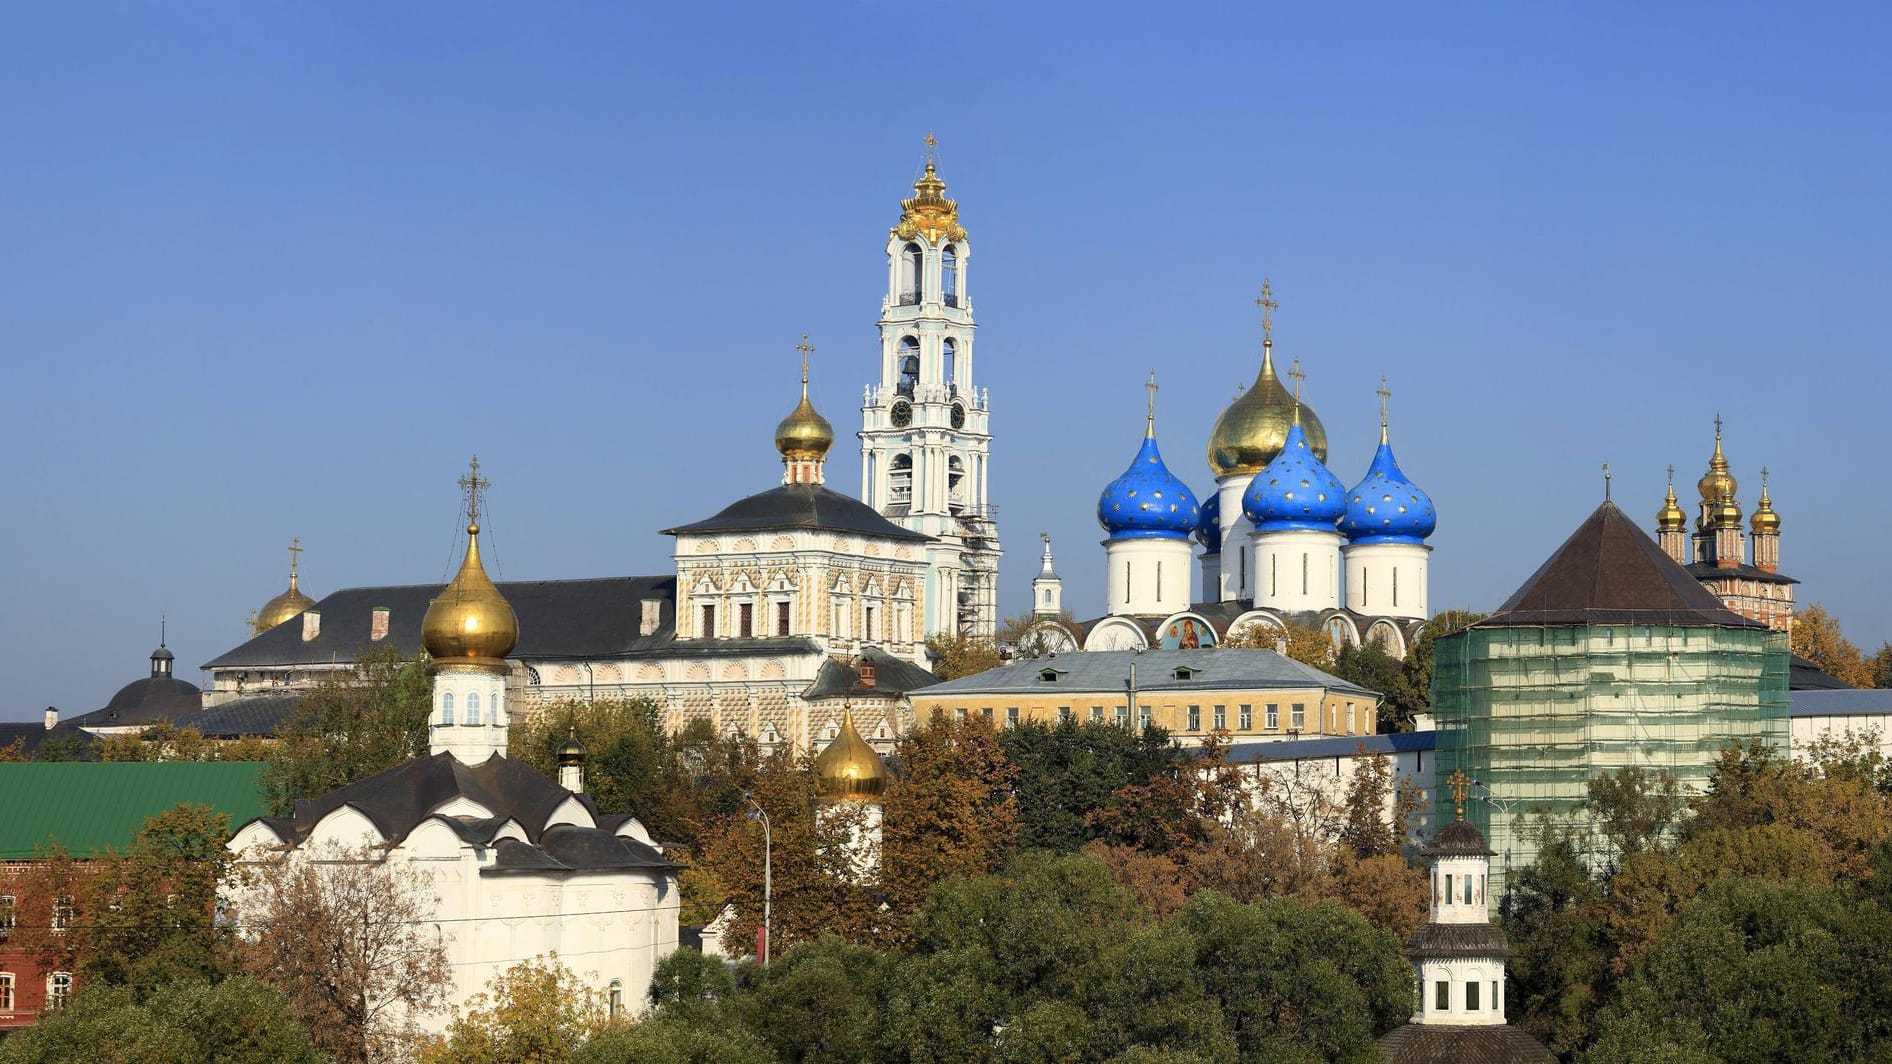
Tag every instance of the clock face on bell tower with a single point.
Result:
(902, 414)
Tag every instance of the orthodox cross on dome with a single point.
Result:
(1151, 386)
(1461, 785)
(1717, 426)
(1384, 393)
(806, 349)
(1267, 304)
(932, 148)
(295, 548)
(1299, 377)
(473, 485)
(1672, 477)
(1763, 480)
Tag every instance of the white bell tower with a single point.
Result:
(925, 441)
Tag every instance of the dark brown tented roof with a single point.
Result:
(1610, 572)
(801, 506)
(1417, 1043)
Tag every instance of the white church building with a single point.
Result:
(518, 866)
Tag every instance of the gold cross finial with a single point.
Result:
(1606, 482)
(1295, 372)
(1461, 785)
(1151, 386)
(806, 349)
(932, 149)
(295, 548)
(1671, 476)
(1384, 393)
(1717, 426)
(1267, 304)
(473, 484)
(1763, 480)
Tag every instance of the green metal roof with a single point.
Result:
(89, 807)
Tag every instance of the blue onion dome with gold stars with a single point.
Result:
(1386, 506)
(1296, 491)
(1148, 501)
(1209, 529)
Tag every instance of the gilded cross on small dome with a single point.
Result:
(932, 149)
(1384, 393)
(295, 548)
(806, 349)
(1461, 785)
(1672, 478)
(1151, 386)
(1267, 304)
(1299, 377)
(473, 484)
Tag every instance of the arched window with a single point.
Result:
(446, 708)
(947, 351)
(58, 990)
(912, 269)
(473, 707)
(617, 998)
(909, 365)
(955, 483)
(900, 480)
(949, 275)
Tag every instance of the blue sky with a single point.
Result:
(275, 269)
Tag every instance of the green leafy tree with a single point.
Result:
(955, 655)
(632, 764)
(1066, 771)
(536, 1012)
(1374, 669)
(1633, 808)
(1758, 970)
(951, 812)
(237, 1021)
(1560, 963)
(1881, 663)
(153, 909)
(687, 979)
(357, 722)
(674, 1038)
(71, 746)
(1299, 980)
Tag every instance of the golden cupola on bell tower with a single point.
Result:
(1718, 533)
(285, 605)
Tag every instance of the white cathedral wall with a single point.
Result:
(1237, 531)
(1387, 579)
(1296, 570)
(1148, 576)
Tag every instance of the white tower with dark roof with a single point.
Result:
(925, 437)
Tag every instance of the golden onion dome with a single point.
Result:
(471, 623)
(1718, 484)
(1671, 518)
(804, 433)
(1252, 431)
(286, 605)
(849, 768)
(1765, 521)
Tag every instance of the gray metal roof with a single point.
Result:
(1843, 702)
(1109, 670)
(1389, 744)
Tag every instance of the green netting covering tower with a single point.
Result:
(1611, 654)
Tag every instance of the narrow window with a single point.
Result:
(446, 708)
(1064, 714)
(1273, 572)
(1011, 716)
(1123, 716)
(1395, 587)
(1303, 574)
(709, 623)
(6, 991)
(1143, 717)
(1471, 996)
(472, 707)
(1297, 716)
(1126, 582)
(1496, 1002)
(7, 905)
(1272, 717)
(1442, 996)
(58, 990)
(617, 998)
(909, 366)
(1468, 890)
(1247, 718)
(1195, 718)
(987, 714)
(781, 618)
(1449, 895)
(62, 912)
(949, 274)
(949, 360)
(1221, 718)
(1097, 714)
(868, 622)
(912, 267)
(745, 619)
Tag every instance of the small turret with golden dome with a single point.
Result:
(804, 436)
(470, 623)
(849, 769)
(285, 605)
(1254, 428)
(1718, 487)
(1766, 527)
(1672, 525)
